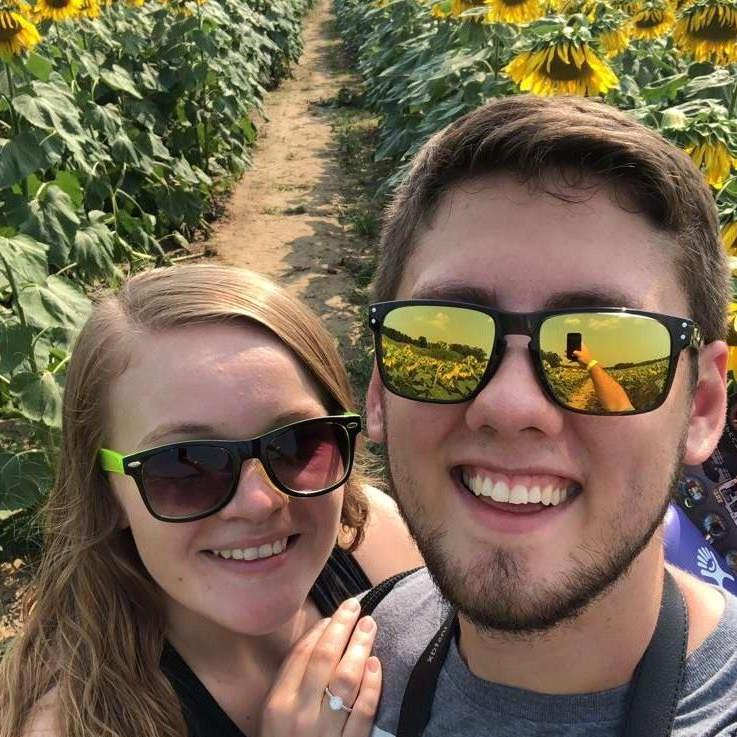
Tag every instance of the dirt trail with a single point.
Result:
(283, 217)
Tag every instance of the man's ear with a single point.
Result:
(375, 408)
(709, 404)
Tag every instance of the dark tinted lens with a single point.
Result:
(310, 458)
(632, 354)
(435, 353)
(187, 480)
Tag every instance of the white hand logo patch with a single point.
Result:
(709, 566)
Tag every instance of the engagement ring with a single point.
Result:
(336, 702)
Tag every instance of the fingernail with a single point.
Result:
(351, 605)
(373, 664)
(366, 624)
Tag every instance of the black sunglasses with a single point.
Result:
(189, 480)
(591, 360)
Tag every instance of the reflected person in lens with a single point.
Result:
(202, 524)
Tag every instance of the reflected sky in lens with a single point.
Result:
(611, 339)
(443, 324)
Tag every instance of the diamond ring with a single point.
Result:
(336, 702)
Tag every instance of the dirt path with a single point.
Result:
(283, 219)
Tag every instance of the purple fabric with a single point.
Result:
(686, 548)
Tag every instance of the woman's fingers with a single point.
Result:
(361, 719)
(280, 704)
(349, 672)
(329, 649)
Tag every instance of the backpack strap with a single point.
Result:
(372, 598)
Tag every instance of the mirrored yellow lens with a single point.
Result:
(603, 362)
(435, 353)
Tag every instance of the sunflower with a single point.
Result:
(708, 30)
(17, 34)
(515, 11)
(652, 20)
(714, 158)
(729, 238)
(614, 42)
(90, 8)
(58, 10)
(562, 68)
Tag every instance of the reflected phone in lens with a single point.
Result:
(573, 343)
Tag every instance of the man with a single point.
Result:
(535, 430)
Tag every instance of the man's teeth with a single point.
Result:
(549, 495)
(263, 551)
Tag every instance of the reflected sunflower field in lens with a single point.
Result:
(430, 372)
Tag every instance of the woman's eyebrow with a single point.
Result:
(177, 428)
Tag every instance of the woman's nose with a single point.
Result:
(255, 498)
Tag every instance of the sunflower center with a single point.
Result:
(649, 21)
(512, 3)
(59, 4)
(9, 27)
(563, 72)
(717, 29)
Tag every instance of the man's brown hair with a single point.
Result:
(531, 137)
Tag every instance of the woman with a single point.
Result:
(180, 568)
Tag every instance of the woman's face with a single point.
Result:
(226, 382)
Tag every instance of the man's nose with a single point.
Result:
(255, 498)
(514, 401)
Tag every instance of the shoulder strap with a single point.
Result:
(658, 680)
(372, 598)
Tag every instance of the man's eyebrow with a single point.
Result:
(456, 292)
(604, 297)
(462, 292)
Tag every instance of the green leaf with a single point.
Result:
(53, 221)
(52, 108)
(15, 347)
(665, 89)
(39, 397)
(94, 249)
(24, 478)
(26, 258)
(21, 156)
(119, 79)
(39, 66)
(69, 184)
(57, 302)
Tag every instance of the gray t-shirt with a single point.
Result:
(467, 706)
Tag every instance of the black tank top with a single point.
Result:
(341, 578)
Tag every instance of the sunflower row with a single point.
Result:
(118, 136)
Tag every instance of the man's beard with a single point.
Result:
(496, 593)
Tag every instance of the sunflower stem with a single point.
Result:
(733, 100)
(496, 54)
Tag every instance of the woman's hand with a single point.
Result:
(335, 654)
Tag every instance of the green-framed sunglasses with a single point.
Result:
(192, 479)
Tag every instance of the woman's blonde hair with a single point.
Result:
(93, 622)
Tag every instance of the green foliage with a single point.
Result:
(116, 136)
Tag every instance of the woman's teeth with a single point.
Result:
(263, 551)
(549, 495)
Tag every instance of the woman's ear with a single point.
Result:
(709, 405)
(375, 408)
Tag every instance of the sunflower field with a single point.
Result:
(671, 63)
(122, 122)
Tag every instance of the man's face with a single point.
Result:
(525, 567)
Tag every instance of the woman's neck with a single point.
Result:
(209, 647)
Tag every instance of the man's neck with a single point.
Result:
(595, 651)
